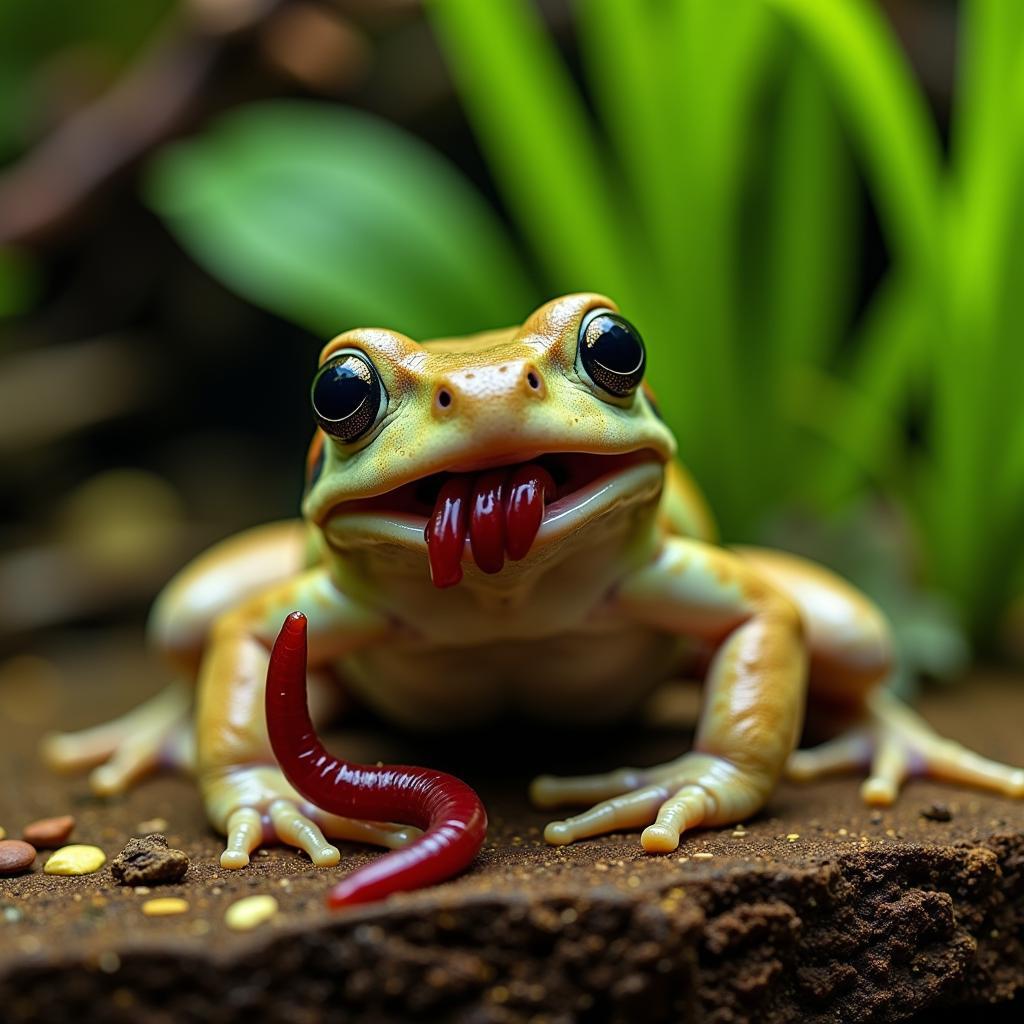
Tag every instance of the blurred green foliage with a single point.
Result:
(100, 35)
(713, 194)
(333, 218)
(17, 282)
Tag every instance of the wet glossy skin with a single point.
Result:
(622, 585)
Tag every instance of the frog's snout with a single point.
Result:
(475, 392)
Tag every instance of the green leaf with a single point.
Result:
(333, 218)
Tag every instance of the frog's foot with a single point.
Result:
(265, 809)
(697, 789)
(896, 743)
(158, 732)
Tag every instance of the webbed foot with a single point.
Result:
(894, 744)
(255, 806)
(158, 732)
(696, 789)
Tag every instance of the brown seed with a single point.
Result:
(15, 856)
(49, 833)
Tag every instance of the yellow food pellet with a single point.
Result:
(250, 912)
(703, 856)
(793, 837)
(164, 906)
(3, 832)
(76, 860)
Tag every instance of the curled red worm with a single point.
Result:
(451, 814)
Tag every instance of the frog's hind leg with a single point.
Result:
(159, 732)
(850, 657)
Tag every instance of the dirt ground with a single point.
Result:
(819, 909)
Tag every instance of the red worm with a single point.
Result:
(451, 814)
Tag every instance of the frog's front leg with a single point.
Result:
(246, 796)
(751, 713)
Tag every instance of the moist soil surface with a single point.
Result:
(818, 909)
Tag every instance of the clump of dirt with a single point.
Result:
(149, 861)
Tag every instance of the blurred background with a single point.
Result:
(812, 211)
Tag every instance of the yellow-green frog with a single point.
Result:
(504, 500)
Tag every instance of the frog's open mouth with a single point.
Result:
(499, 509)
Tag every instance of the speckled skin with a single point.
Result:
(623, 588)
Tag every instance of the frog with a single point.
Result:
(507, 500)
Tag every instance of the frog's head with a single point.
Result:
(484, 448)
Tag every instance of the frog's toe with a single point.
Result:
(376, 833)
(952, 762)
(845, 753)
(293, 827)
(133, 760)
(628, 811)
(245, 833)
(684, 810)
(566, 791)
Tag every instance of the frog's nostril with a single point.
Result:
(533, 380)
(444, 398)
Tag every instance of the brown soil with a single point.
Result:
(864, 916)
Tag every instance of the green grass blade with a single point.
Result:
(969, 423)
(533, 129)
(719, 55)
(620, 41)
(889, 346)
(809, 266)
(821, 404)
(805, 269)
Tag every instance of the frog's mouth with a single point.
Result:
(501, 509)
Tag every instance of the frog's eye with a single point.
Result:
(611, 352)
(347, 395)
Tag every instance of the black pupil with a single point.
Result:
(612, 353)
(614, 345)
(341, 388)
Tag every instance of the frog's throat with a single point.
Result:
(593, 487)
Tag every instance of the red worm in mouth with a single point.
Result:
(501, 512)
(451, 814)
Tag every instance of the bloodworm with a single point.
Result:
(451, 814)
